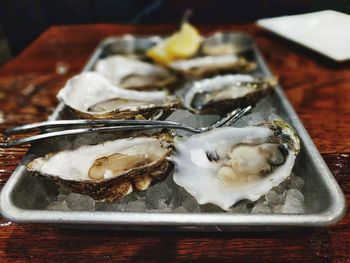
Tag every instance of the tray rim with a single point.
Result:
(330, 216)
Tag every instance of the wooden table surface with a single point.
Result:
(318, 89)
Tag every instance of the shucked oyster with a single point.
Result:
(92, 96)
(221, 43)
(110, 170)
(209, 65)
(134, 74)
(224, 93)
(227, 165)
(218, 49)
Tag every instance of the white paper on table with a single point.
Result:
(327, 32)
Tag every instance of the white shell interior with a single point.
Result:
(75, 164)
(211, 84)
(89, 88)
(117, 67)
(207, 61)
(198, 175)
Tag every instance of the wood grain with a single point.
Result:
(318, 89)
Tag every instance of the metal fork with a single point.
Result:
(49, 128)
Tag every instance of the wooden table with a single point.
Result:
(319, 90)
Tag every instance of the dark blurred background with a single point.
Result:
(21, 21)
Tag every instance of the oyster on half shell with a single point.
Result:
(92, 96)
(134, 74)
(209, 65)
(110, 170)
(225, 93)
(229, 164)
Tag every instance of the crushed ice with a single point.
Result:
(166, 196)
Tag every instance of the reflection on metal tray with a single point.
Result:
(324, 201)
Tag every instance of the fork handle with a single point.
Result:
(39, 137)
(69, 124)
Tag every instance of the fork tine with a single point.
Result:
(235, 117)
(222, 121)
(229, 119)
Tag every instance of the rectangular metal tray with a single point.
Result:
(324, 201)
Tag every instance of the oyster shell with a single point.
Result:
(210, 65)
(92, 96)
(229, 164)
(134, 74)
(110, 170)
(225, 93)
(218, 49)
(221, 43)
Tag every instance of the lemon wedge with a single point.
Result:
(159, 54)
(181, 45)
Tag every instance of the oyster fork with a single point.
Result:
(68, 127)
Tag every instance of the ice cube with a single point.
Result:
(191, 205)
(211, 208)
(260, 208)
(61, 197)
(272, 198)
(163, 206)
(295, 194)
(175, 200)
(136, 206)
(280, 189)
(78, 202)
(177, 196)
(142, 195)
(64, 191)
(115, 206)
(179, 210)
(294, 202)
(153, 210)
(134, 196)
(59, 206)
(183, 193)
(169, 181)
(157, 192)
(240, 207)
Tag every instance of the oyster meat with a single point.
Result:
(225, 93)
(92, 96)
(134, 74)
(208, 65)
(229, 164)
(110, 170)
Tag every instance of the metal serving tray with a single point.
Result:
(324, 201)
